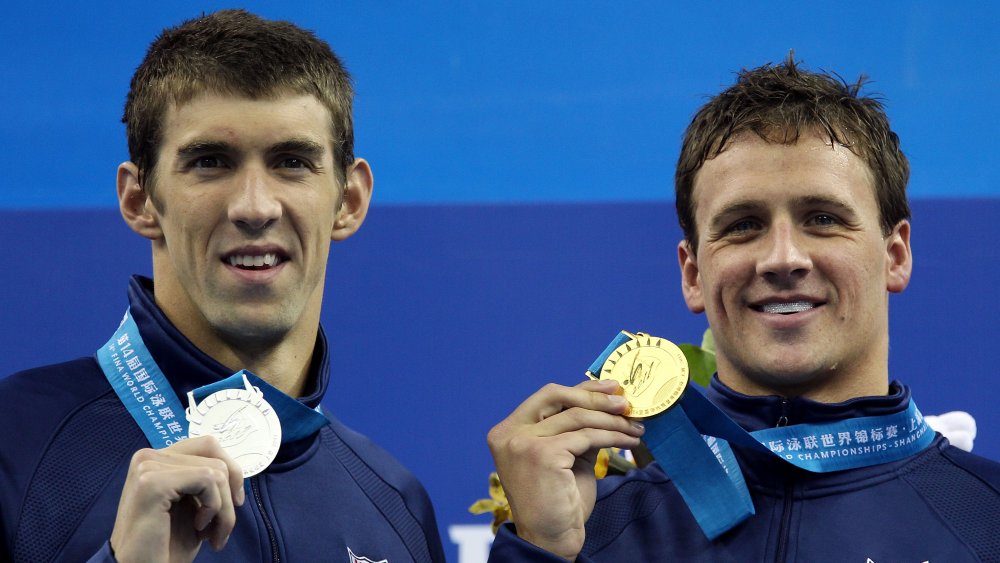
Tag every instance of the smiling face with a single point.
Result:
(792, 269)
(246, 201)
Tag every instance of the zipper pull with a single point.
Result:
(783, 419)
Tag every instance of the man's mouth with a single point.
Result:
(786, 308)
(254, 261)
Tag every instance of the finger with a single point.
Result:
(557, 451)
(588, 440)
(554, 398)
(221, 526)
(225, 520)
(567, 451)
(606, 386)
(578, 418)
(166, 478)
(197, 452)
(216, 517)
(205, 484)
(208, 447)
(208, 484)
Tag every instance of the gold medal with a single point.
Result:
(651, 371)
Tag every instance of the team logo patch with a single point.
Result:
(363, 559)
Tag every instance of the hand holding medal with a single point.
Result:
(545, 450)
(175, 498)
(545, 453)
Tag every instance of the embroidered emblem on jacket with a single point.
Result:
(362, 558)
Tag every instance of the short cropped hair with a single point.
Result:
(780, 103)
(233, 52)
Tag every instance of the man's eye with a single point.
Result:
(292, 162)
(824, 220)
(742, 226)
(207, 162)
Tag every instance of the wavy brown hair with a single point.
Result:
(779, 103)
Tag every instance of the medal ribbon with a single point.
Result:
(147, 395)
(297, 420)
(691, 442)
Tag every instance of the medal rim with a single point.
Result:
(253, 398)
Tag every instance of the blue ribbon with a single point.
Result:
(147, 395)
(141, 386)
(297, 421)
(691, 443)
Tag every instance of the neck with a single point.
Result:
(284, 366)
(267, 340)
(282, 359)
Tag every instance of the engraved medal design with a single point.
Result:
(244, 423)
(652, 372)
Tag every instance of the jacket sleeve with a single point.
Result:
(509, 548)
(103, 555)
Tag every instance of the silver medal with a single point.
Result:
(244, 423)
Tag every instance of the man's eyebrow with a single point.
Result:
(201, 147)
(825, 201)
(303, 147)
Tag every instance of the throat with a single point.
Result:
(283, 366)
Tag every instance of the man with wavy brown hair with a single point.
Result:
(241, 175)
(791, 195)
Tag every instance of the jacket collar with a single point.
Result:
(187, 367)
(769, 475)
(756, 413)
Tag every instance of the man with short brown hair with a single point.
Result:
(791, 195)
(241, 174)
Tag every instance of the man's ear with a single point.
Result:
(690, 278)
(354, 201)
(899, 258)
(135, 203)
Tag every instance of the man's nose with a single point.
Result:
(254, 206)
(785, 254)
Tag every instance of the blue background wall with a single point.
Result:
(520, 152)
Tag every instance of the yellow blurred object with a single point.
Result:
(497, 504)
(601, 467)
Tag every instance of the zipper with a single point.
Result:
(255, 488)
(786, 522)
(786, 513)
(783, 419)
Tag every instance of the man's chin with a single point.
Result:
(790, 379)
(253, 330)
